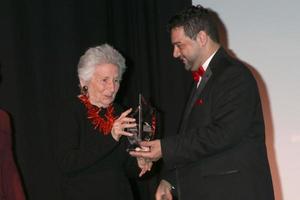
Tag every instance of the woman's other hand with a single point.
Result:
(144, 164)
(121, 124)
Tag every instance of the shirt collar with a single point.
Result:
(206, 63)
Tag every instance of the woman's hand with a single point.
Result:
(121, 124)
(144, 165)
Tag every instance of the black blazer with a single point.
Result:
(219, 151)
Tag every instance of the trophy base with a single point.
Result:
(132, 147)
(137, 148)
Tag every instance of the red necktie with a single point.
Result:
(198, 73)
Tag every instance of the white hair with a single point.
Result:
(103, 54)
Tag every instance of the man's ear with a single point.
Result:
(202, 38)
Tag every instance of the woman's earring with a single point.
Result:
(84, 90)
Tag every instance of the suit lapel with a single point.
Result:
(194, 95)
(202, 84)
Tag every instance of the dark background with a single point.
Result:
(40, 45)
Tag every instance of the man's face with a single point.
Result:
(185, 48)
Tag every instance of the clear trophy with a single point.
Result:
(145, 116)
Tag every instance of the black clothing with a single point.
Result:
(94, 165)
(220, 151)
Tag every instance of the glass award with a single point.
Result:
(145, 116)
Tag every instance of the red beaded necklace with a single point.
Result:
(104, 125)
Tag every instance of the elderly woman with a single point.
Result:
(91, 152)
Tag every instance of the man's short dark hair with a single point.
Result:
(195, 19)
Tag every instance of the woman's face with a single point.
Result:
(104, 85)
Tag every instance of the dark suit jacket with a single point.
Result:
(220, 152)
(10, 184)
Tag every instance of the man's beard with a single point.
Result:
(189, 65)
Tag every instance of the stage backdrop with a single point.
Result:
(40, 44)
(266, 35)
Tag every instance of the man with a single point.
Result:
(219, 151)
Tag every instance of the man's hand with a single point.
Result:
(163, 191)
(154, 152)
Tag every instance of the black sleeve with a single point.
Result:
(130, 165)
(78, 145)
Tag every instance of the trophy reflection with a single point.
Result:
(145, 116)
